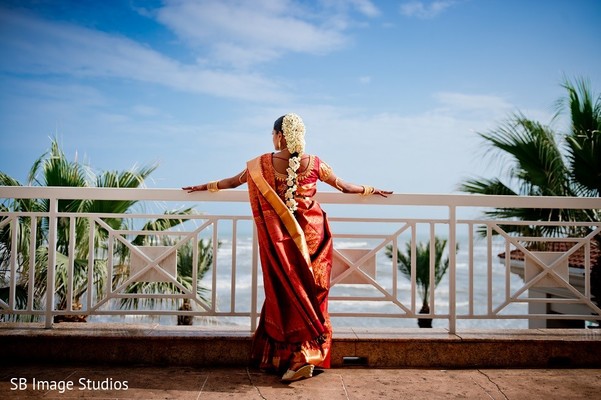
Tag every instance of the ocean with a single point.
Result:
(384, 278)
(342, 296)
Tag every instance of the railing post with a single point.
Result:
(14, 246)
(452, 268)
(254, 280)
(52, 232)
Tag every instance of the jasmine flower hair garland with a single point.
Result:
(293, 129)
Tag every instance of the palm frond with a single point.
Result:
(62, 271)
(534, 154)
(16, 204)
(422, 264)
(163, 224)
(21, 299)
(6, 180)
(58, 171)
(537, 165)
(32, 177)
(114, 179)
(486, 186)
(584, 140)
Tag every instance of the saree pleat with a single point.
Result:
(296, 255)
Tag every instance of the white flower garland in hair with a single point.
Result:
(294, 133)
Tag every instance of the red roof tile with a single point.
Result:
(576, 260)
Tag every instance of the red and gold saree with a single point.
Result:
(296, 258)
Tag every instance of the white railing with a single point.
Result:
(366, 285)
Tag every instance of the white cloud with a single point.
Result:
(462, 101)
(242, 33)
(429, 151)
(241, 56)
(33, 45)
(146, 111)
(366, 7)
(488, 110)
(496, 109)
(425, 9)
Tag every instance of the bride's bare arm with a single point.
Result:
(226, 183)
(348, 187)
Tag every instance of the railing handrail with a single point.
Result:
(238, 195)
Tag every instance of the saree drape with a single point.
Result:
(296, 257)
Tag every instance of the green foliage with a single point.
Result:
(54, 169)
(422, 264)
(584, 140)
(540, 162)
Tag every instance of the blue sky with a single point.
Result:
(392, 92)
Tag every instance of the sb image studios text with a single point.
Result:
(62, 386)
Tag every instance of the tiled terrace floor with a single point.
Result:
(159, 362)
(340, 383)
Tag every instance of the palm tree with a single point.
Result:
(422, 271)
(541, 162)
(545, 163)
(53, 169)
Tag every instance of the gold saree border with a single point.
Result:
(291, 224)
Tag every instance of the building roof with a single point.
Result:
(576, 260)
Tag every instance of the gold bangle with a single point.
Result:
(368, 190)
(241, 176)
(212, 186)
(337, 185)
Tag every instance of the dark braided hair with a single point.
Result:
(277, 125)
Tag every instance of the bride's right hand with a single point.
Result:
(197, 188)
